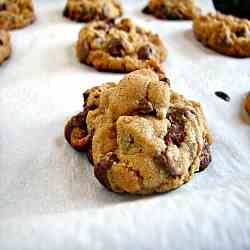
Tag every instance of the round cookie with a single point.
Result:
(142, 136)
(5, 46)
(172, 9)
(89, 10)
(225, 34)
(16, 14)
(119, 46)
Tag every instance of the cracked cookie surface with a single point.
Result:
(89, 10)
(16, 14)
(172, 9)
(145, 138)
(119, 46)
(5, 45)
(225, 34)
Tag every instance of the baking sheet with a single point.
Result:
(49, 198)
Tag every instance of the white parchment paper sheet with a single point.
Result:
(49, 198)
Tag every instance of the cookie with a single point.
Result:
(119, 46)
(142, 136)
(225, 34)
(5, 46)
(16, 14)
(172, 9)
(89, 10)
(247, 103)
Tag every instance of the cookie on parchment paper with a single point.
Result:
(15, 14)
(141, 136)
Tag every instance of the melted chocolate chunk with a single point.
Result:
(146, 10)
(223, 96)
(145, 52)
(3, 7)
(144, 107)
(83, 51)
(241, 33)
(166, 80)
(86, 96)
(65, 11)
(169, 164)
(176, 133)
(102, 168)
(116, 48)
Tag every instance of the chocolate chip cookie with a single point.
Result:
(225, 34)
(89, 10)
(16, 14)
(247, 103)
(172, 9)
(119, 46)
(5, 46)
(141, 136)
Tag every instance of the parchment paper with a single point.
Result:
(49, 198)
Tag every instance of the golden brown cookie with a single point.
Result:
(5, 45)
(16, 14)
(247, 103)
(142, 136)
(172, 9)
(225, 34)
(89, 10)
(119, 46)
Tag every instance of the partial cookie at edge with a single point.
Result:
(90, 10)
(16, 14)
(5, 45)
(225, 34)
(172, 9)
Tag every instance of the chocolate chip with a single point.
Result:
(76, 132)
(86, 96)
(3, 7)
(169, 164)
(145, 52)
(162, 11)
(166, 80)
(110, 22)
(144, 107)
(176, 133)
(102, 168)
(205, 157)
(65, 11)
(83, 52)
(146, 10)
(1, 42)
(116, 47)
(223, 96)
(243, 32)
